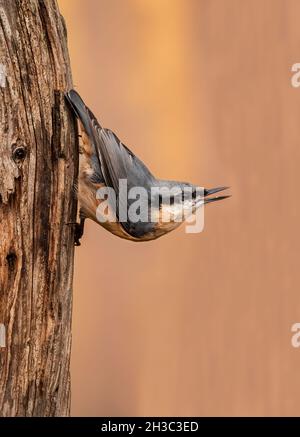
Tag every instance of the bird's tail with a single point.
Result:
(82, 112)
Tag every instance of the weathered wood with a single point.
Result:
(38, 169)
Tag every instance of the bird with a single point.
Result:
(105, 163)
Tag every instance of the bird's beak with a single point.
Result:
(213, 191)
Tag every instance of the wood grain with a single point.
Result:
(38, 169)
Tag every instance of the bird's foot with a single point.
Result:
(79, 229)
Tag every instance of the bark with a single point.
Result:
(38, 170)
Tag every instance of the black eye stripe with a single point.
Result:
(184, 196)
(160, 200)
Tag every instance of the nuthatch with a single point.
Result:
(104, 162)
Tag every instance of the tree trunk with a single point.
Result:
(38, 170)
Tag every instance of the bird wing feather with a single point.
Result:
(116, 160)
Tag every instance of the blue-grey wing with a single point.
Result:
(116, 162)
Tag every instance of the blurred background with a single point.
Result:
(193, 324)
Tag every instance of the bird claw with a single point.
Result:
(79, 229)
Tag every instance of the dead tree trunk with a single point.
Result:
(38, 169)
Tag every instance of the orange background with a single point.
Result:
(193, 324)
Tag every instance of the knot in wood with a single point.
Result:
(19, 153)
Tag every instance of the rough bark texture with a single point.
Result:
(38, 168)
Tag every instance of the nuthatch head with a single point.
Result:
(117, 190)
